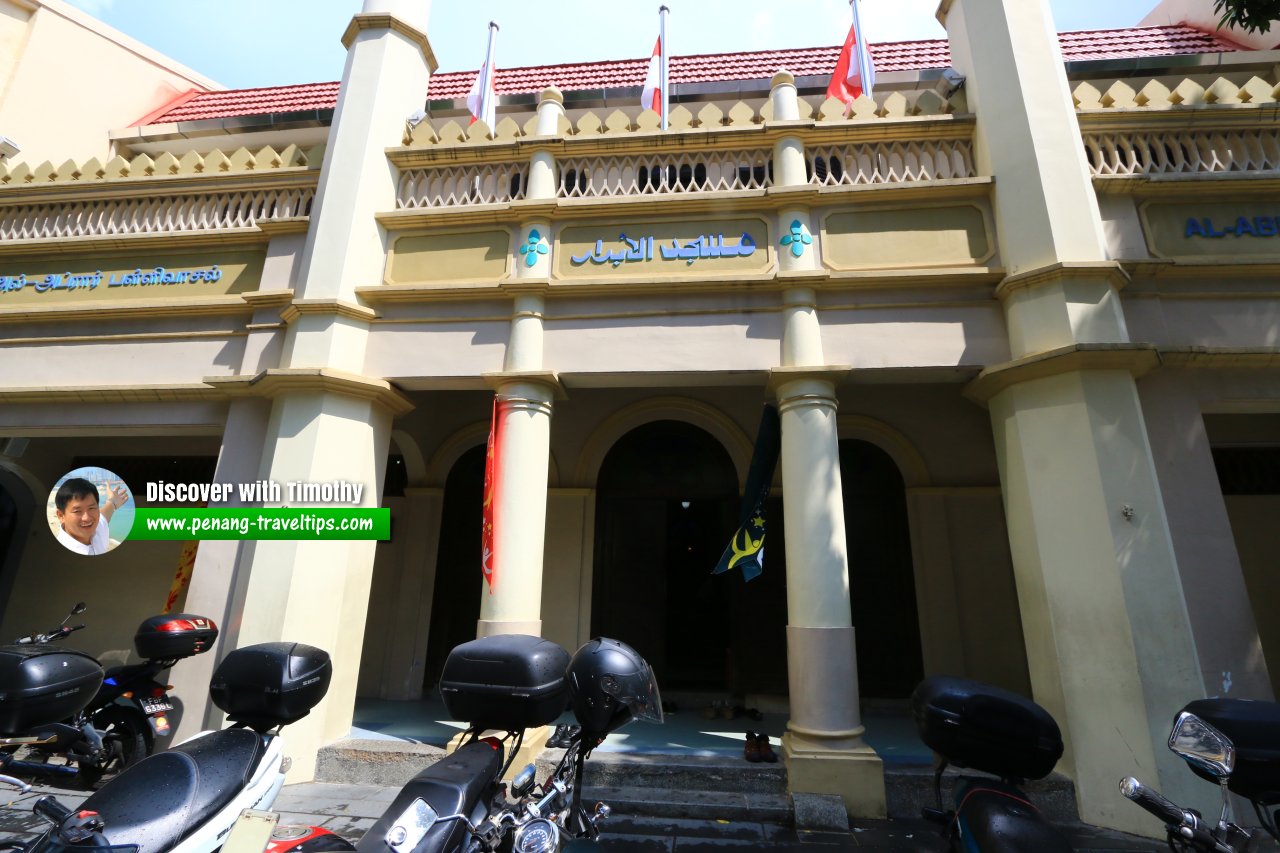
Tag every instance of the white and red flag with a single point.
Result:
(654, 95)
(482, 100)
(488, 541)
(854, 74)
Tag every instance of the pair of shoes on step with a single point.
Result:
(563, 736)
(758, 749)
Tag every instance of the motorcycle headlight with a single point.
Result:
(537, 836)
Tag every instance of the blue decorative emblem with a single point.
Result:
(797, 239)
(537, 245)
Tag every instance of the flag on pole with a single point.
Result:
(654, 95)
(488, 557)
(854, 74)
(482, 100)
(746, 548)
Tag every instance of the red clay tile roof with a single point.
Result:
(758, 65)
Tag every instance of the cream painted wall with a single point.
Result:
(75, 79)
(14, 20)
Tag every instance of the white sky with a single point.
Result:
(245, 43)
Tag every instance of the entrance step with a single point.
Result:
(681, 786)
(374, 762)
(909, 789)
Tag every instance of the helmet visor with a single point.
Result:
(638, 691)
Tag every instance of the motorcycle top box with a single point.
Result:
(1251, 726)
(44, 684)
(271, 684)
(506, 682)
(174, 636)
(983, 727)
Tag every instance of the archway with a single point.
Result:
(666, 504)
(455, 603)
(882, 589)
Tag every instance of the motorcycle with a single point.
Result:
(1235, 743)
(118, 726)
(187, 799)
(507, 683)
(974, 725)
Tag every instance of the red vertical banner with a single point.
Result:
(488, 559)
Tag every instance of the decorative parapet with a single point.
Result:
(1157, 95)
(1133, 128)
(741, 115)
(191, 164)
(152, 214)
(448, 186)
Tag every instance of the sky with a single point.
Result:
(248, 43)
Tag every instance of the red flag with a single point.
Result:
(854, 74)
(652, 96)
(488, 558)
(483, 98)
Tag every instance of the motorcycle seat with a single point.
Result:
(994, 816)
(160, 800)
(453, 785)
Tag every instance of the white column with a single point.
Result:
(1109, 645)
(328, 422)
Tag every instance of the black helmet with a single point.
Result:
(609, 684)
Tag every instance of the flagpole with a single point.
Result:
(662, 62)
(488, 108)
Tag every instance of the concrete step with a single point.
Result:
(718, 774)
(374, 762)
(909, 789)
(652, 802)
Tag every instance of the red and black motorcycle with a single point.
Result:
(119, 725)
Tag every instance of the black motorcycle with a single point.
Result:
(507, 684)
(126, 712)
(974, 725)
(1235, 743)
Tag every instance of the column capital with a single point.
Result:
(504, 382)
(787, 383)
(284, 381)
(1137, 359)
(385, 21)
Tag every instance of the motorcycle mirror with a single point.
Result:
(79, 608)
(1202, 746)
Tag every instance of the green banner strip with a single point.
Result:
(172, 523)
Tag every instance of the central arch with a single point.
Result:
(667, 502)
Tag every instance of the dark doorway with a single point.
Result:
(16, 511)
(455, 604)
(882, 587)
(667, 503)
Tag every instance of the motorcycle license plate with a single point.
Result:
(152, 707)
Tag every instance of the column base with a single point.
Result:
(853, 773)
(489, 628)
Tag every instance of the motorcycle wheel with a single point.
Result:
(125, 739)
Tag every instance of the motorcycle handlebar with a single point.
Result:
(49, 809)
(1152, 801)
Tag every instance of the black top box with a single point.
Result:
(976, 725)
(174, 636)
(1254, 730)
(44, 684)
(271, 684)
(506, 682)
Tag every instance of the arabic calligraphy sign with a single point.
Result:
(31, 282)
(1227, 229)
(700, 248)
